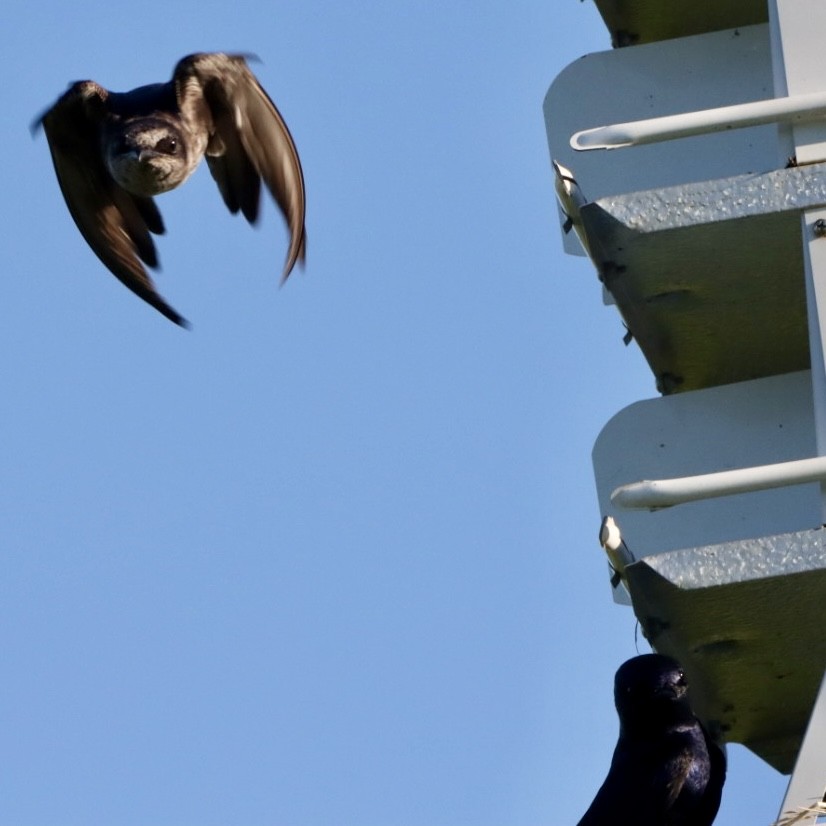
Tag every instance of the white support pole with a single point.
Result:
(798, 30)
(814, 256)
(798, 27)
(805, 801)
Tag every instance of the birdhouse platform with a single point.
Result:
(690, 167)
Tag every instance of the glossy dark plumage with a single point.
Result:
(113, 152)
(666, 769)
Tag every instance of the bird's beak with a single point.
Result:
(676, 690)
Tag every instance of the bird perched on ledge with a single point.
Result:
(619, 556)
(666, 769)
(113, 152)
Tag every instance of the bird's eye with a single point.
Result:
(169, 146)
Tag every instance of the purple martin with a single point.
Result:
(113, 152)
(666, 769)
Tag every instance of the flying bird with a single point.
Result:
(666, 769)
(113, 152)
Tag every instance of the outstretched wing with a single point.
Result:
(115, 223)
(250, 142)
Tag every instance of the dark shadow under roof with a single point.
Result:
(645, 21)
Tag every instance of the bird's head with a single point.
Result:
(651, 690)
(147, 156)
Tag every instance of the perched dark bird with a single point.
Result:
(114, 151)
(666, 769)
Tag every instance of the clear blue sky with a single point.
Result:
(330, 557)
